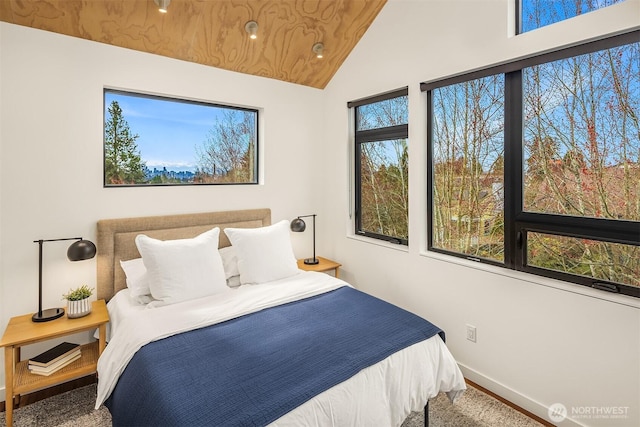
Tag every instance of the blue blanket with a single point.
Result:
(252, 370)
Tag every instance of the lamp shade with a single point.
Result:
(81, 250)
(298, 225)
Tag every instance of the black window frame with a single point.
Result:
(373, 135)
(518, 222)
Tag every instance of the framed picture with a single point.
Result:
(153, 140)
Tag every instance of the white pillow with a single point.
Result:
(229, 261)
(178, 270)
(139, 291)
(264, 254)
(134, 271)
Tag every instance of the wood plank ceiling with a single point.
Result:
(212, 32)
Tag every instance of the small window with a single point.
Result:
(538, 13)
(154, 140)
(589, 258)
(382, 167)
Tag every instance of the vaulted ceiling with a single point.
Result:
(212, 32)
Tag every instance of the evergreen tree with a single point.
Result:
(122, 161)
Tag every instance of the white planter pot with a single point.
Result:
(78, 308)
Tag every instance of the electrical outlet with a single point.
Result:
(471, 333)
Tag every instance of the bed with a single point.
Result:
(265, 344)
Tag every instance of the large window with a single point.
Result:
(382, 166)
(535, 165)
(534, 14)
(153, 140)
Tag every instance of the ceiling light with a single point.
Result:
(251, 27)
(318, 49)
(162, 5)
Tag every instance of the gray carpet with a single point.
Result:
(75, 409)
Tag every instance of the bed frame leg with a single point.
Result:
(426, 414)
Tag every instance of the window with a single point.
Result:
(468, 163)
(153, 140)
(382, 166)
(535, 165)
(534, 14)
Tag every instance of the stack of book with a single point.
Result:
(54, 359)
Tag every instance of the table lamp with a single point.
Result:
(298, 225)
(79, 250)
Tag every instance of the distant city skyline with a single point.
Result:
(183, 176)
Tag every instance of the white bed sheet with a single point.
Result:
(383, 394)
(120, 307)
(386, 393)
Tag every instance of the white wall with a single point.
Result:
(538, 341)
(51, 118)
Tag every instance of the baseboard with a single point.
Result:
(518, 399)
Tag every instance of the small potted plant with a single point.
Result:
(78, 303)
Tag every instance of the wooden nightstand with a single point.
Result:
(323, 265)
(22, 331)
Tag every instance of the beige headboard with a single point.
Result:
(116, 238)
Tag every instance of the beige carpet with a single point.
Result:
(474, 408)
(75, 409)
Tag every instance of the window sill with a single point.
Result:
(378, 242)
(538, 280)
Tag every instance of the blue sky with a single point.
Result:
(552, 11)
(168, 130)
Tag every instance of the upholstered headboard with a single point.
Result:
(116, 238)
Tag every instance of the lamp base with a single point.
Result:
(48, 314)
(311, 261)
